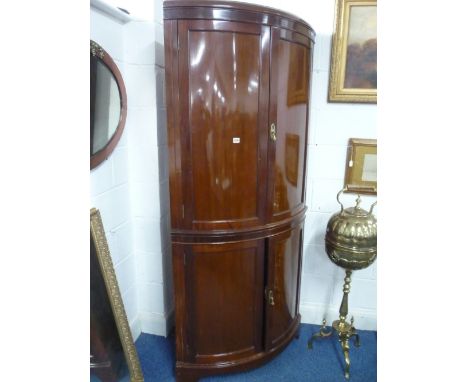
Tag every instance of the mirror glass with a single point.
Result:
(105, 104)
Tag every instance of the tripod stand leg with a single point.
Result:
(345, 346)
(320, 334)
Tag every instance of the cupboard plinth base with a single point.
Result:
(191, 372)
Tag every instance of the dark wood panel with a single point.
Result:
(193, 237)
(223, 92)
(223, 170)
(188, 372)
(284, 258)
(180, 297)
(224, 300)
(173, 122)
(289, 111)
(295, 37)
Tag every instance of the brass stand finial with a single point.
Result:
(358, 201)
(344, 329)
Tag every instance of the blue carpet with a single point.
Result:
(324, 363)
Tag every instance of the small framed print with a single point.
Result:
(361, 166)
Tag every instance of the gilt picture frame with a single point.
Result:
(361, 166)
(101, 249)
(353, 66)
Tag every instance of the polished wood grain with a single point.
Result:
(289, 110)
(284, 257)
(181, 311)
(225, 298)
(188, 372)
(237, 196)
(221, 96)
(171, 57)
(191, 236)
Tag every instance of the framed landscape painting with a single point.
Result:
(353, 69)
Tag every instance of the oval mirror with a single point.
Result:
(108, 104)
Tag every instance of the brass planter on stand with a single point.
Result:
(351, 243)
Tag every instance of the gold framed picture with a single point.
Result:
(361, 166)
(113, 354)
(353, 67)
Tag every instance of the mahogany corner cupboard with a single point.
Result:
(237, 95)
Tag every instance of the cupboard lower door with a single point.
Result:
(284, 268)
(223, 310)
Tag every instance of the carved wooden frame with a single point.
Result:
(337, 92)
(112, 287)
(357, 149)
(99, 157)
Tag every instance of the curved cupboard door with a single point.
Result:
(224, 88)
(290, 66)
(283, 285)
(223, 292)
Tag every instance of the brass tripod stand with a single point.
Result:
(344, 329)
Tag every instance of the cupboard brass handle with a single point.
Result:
(273, 132)
(270, 297)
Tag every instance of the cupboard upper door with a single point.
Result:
(224, 86)
(290, 72)
(283, 286)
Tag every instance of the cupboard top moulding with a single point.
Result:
(236, 11)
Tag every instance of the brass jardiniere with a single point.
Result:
(351, 243)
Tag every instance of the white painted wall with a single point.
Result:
(131, 188)
(148, 174)
(110, 183)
